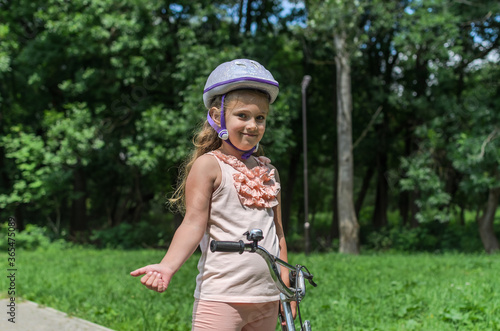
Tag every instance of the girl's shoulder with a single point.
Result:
(206, 163)
(207, 166)
(267, 162)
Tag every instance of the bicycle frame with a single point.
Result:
(288, 294)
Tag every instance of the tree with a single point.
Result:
(455, 163)
(477, 151)
(342, 18)
(102, 99)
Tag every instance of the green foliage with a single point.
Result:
(432, 198)
(103, 97)
(99, 101)
(126, 236)
(429, 25)
(461, 143)
(28, 151)
(45, 166)
(336, 16)
(477, 150)
(31, 238)
(428, 237)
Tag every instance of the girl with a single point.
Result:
(226, 191)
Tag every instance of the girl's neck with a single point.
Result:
(230, 150)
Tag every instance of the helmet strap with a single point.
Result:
(221, 130)
(223, 134)
(246, 154)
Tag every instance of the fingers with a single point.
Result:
(293, 309)
(152, 278)
(154, 281)
(148, 279)
(264, 159)
(138, 272)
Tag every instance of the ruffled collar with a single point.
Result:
(256, 187)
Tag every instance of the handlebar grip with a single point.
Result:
(227, 246)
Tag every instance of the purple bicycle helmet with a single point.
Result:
(235, 75)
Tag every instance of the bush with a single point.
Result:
(31, 238)
(396, 238)
(126, 236)
(428, 237)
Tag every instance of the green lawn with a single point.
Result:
(369, 292)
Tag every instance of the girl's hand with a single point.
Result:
(264, 160)
(293, 307)
(156, 277)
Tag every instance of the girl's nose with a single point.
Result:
(252, 125)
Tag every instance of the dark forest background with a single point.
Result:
(99, 101)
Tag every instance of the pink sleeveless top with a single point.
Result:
(243, 201)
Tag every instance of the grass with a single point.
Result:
(369, 292)
(406, 292)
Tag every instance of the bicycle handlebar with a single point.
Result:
(309, 277)
(227, 246)
(271, 260)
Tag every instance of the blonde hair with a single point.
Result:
(204, 141)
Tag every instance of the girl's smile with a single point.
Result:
(245, 120)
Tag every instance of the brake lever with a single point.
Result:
(312, 282)
(309, 277)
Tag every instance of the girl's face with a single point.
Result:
(246, 112)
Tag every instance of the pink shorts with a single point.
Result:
(213, 315)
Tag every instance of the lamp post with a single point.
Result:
(305, 83)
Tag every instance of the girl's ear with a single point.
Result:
(215, 114)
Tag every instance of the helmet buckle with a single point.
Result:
(223, 134)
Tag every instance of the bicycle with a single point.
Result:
(298, 274)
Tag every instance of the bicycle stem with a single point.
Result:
(271, 263)
(291, 294)
(287, 294)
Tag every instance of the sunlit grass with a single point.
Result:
(369, 292)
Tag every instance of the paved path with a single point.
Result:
(31, 317)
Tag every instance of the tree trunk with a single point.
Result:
(121, 208)
(461, 216)
(364, 188)
(78, 221)
(381, 200)
(334, 229)
(485, 222)
(403, 204)
(348, 223)
(240, 14)
(139, 198)
(18, 214)
(248, 21)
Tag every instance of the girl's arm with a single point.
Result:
(280, 232)
(282, 242)
(201, 181)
